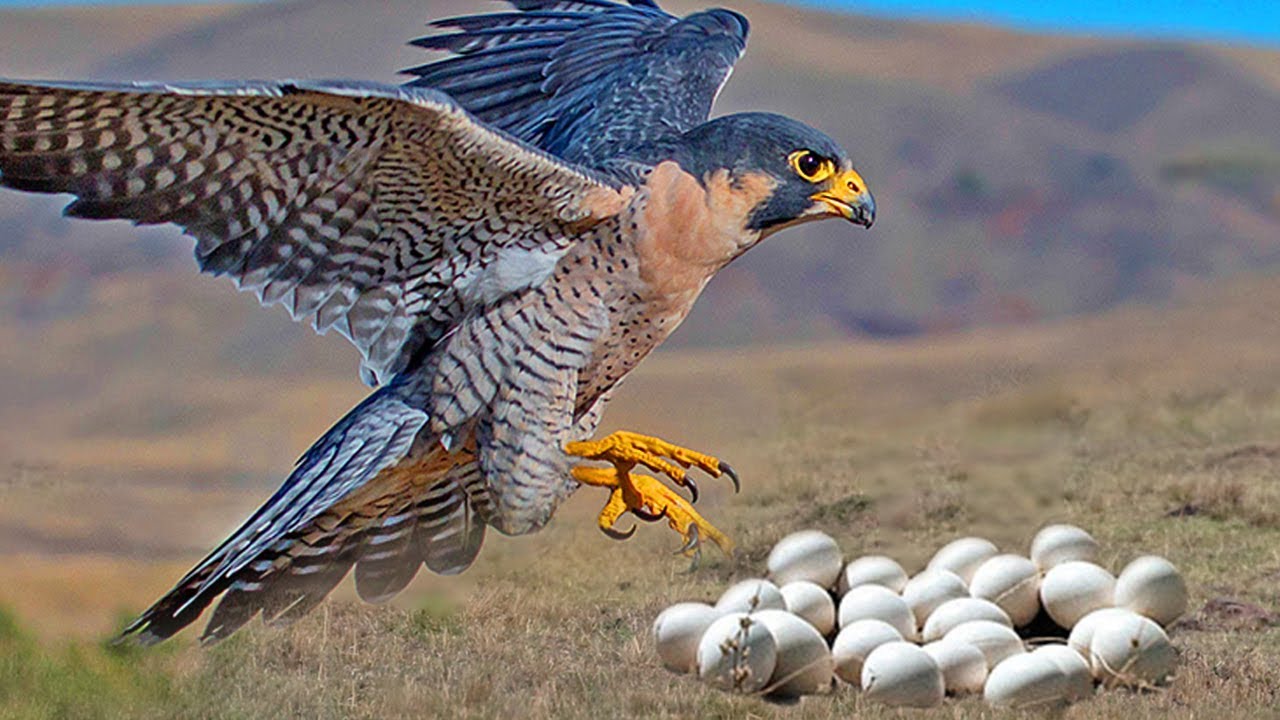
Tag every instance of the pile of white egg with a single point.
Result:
(970, 622)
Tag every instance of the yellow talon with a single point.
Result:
(644, 496)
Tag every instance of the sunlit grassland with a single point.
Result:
(1157, 431)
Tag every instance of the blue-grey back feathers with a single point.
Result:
(586, 79)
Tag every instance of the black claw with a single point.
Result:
(693, 543)
(733, 475)
(619, 535)
(693, 488)
(697, 559)
(690, 543)
(648, 516)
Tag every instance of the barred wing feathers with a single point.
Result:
(369, 208)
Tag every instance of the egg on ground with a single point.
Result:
(1057, 544)
(1131, 650)
(880, 603)
(806, 555)
(931, 588)
(1077, 678)
(901, 674)
(737, 653)
(855, 642)
(994, 640)
(963, 666)
(813, 603)
(1073, 589)
(1013, 583)
(873, 570)
(677, 632)
(804, 665)
(963, 556)
(1025, 681)
(749, 595)
(961, 610)
(1152, 587)
(769, 636)
(1082, 633)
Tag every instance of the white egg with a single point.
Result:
(929, 589)
(1082, 633)
(964, 667)
(1151, 586)
(996, 641)
(1075, 588)
(1026, 681)
(737, 653)
(880, 603)
(804, 665)
(812, 603)
(750, 595)
(1056, 544)
(1012, 582)
(961, 610)
(855, 642)
(1077, 678)
(902, 675)
(1131, 650)
(963, 556)
(806, 555)
(677, 631)
(873, 570)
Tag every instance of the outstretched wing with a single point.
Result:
(586, 79)
(383, 212)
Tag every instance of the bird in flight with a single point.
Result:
(504, 238)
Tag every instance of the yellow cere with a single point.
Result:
(853, 181)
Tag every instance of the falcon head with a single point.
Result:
(810, 177)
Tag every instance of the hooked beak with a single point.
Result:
(849, 198)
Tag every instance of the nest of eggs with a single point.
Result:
(1034, 631)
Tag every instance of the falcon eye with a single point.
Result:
(811, 166)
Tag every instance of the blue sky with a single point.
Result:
(1249, 21)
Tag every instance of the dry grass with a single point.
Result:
(1156, 430)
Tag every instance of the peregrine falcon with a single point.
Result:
(504, 239)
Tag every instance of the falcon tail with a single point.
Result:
(365, 495)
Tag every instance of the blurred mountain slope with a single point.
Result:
(1020, 176)
(62, 41)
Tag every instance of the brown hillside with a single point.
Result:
(68, 41)
(1021, 176)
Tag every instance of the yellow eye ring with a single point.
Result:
(811, 166)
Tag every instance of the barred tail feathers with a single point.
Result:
(370, 493)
